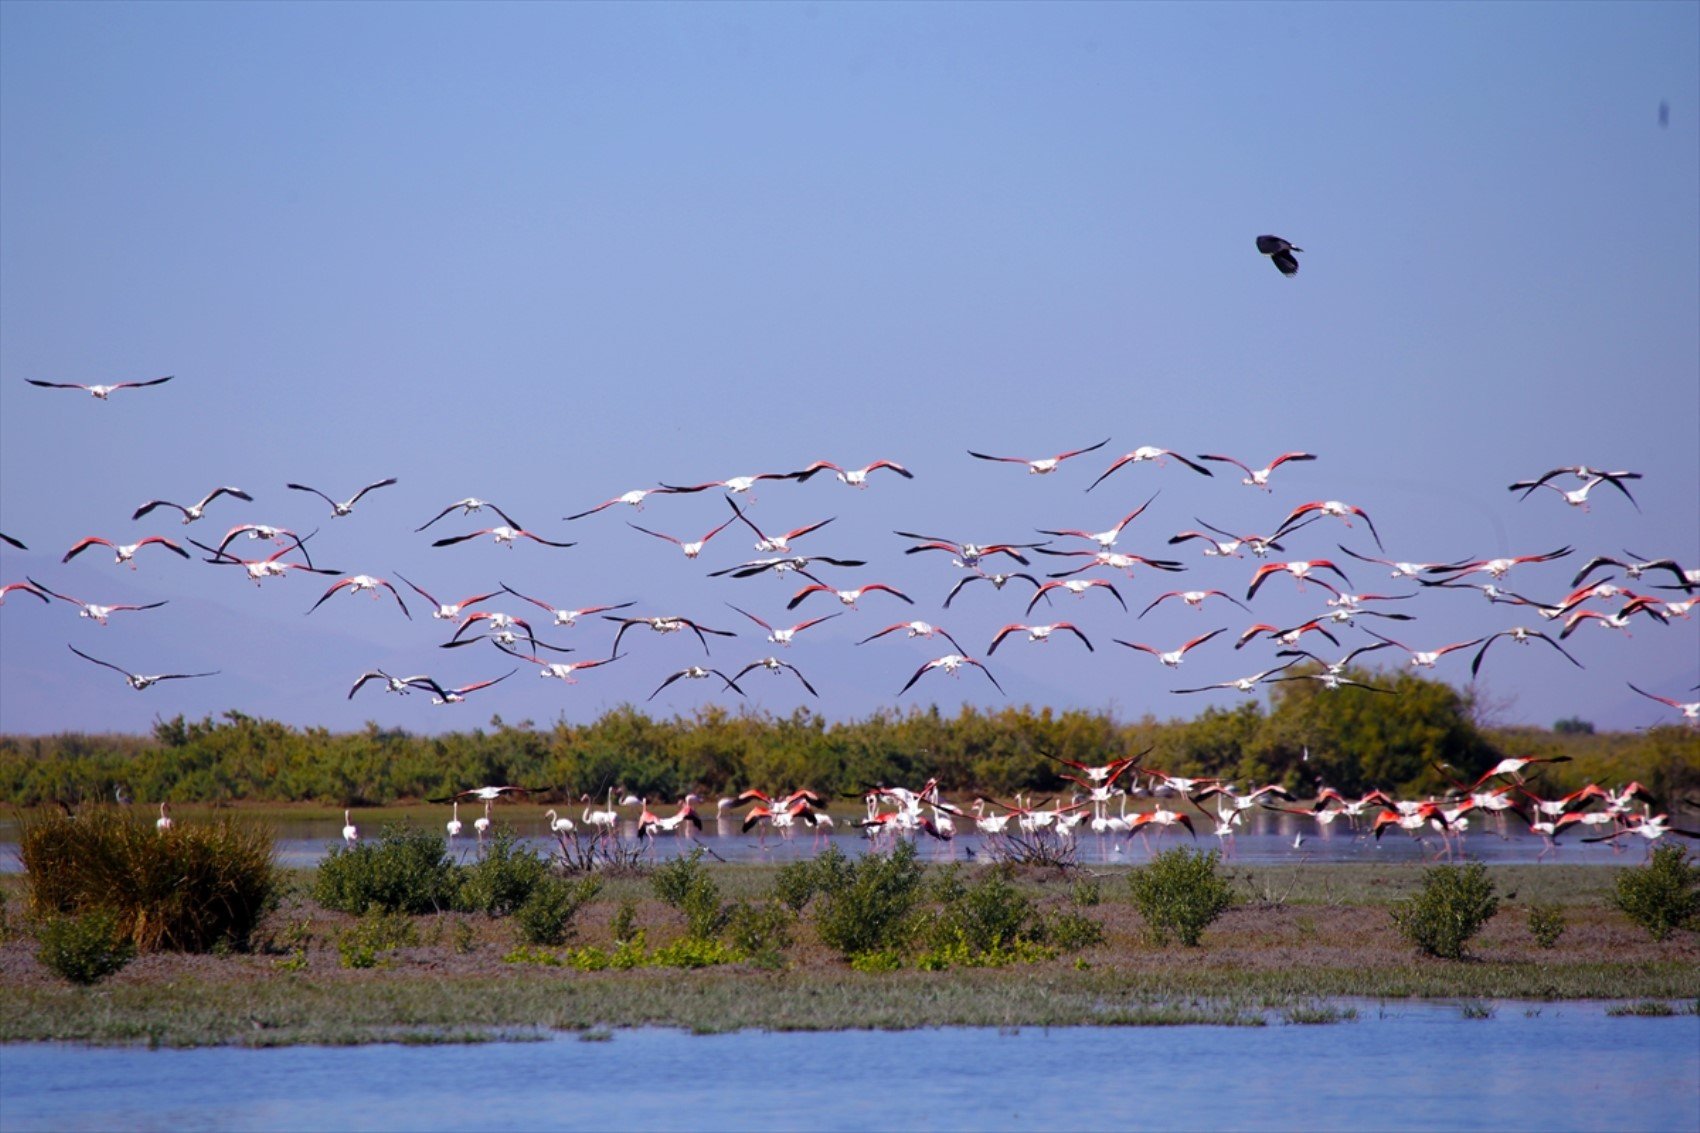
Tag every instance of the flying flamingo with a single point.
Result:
(358, 582)
(100, 392)
(488, 794)
(1045, 465)
(1228, 547)
(1300, 570)
(1690, 710)
(783, 636)
(125, 552)
(1522, 636)
(949, 663)
(1334, 508)
(781, 564)
(1259, 478)
(691, 549)
(967, 555)
(258, 570)
(1076, 586)
(11, 542)
(736, 485)
(769, 543)
(1148, 453)
(556, 670)
(854, 477)
(697, 672)
(1402, 569)
(914, 629)
(1115, 560)
(774, 665)
(502, 535)
(1335, 667)
(1040, 634)
(138, 681)
(633, 499)
(1498, 568)
(502, 624)
(1426, 658)
(1285, 636)
(665, 624)
(194, 511)
(1194, 598)
(401, 685)
(446, 611)
(847, 597)
(441, 695)
(564, 617)
(257, 531)
(1619, 620)
(98, 614)
(347, 505)
(26, 587)
(467, 507)
(1171, 659)
(1593, 477)
(1105, 539)
(997, 580)
(1513, 766)
(1242, 684)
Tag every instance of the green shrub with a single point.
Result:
(406, 869)
(1663, 895)
(365, 943)
(623, 926)
(1451, 907)
(691, 952)
(85, 949)
(869, 906)
(1180, 893)
(1087, 893)
(796, 883)
(760, 931)
(547, 915)
(1546, 924)
(1070, 931)
(988, 916)
(187, 889)
(684, 884)
(503, 878)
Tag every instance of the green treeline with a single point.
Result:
(1348, 739)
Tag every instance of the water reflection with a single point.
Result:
(1558, 1066)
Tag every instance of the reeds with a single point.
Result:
(192, 888)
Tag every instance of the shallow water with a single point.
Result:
(1268, 839)
(1402, 1066)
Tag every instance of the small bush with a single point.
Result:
(870, 905)
(365, 943)
(1180, 893)
(624, 924)
(988, 916)
(85, 949)
(1070, 931)
(189, 889)
(684, 884)
(547, 915)
(1087, 893)
(503, 878)
(406, 869)
(796, 883)
(761, 931)
(1663, 895)
(691, 952)
(1546, 924)
(1451, 907)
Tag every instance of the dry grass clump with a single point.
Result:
(193, 888)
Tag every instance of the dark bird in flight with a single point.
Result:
(1281, 251)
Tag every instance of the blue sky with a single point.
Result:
(546, 254)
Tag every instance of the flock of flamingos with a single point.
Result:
(1615, 592)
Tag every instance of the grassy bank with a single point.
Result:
(1300, 937)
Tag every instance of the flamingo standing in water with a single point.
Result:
(481, 825)
(453, 824)
(350, 832)
(163, 822)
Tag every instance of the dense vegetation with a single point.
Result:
(1349, 740)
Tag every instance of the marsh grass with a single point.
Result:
(192, 888)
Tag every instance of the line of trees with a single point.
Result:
(1308, 736)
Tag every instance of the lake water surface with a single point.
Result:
(1567, 1066)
